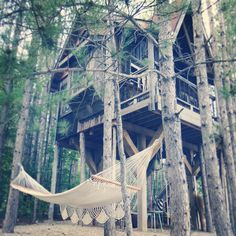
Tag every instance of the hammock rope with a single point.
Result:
(100, 196)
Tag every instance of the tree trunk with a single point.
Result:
(109, 227)
(13, 196)
(225, 107)
(125, 195)
(8, 80)
(40, 146)
(53, 180)
(209, 225)
(219, 213)
(179, 200)
(224, 181)
(3, 117)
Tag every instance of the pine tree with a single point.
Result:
(179, 200)
(218, 208)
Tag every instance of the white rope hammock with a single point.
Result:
(93, 198)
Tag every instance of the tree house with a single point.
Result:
(80, 117)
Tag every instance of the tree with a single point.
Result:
(109, 227)
(226, 127)
(13, 196)
(30, 19)
(179, 201)
(218, 209)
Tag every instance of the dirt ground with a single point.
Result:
(68, 229)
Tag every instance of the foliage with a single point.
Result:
(228, 7)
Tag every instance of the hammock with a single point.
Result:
(100, 196)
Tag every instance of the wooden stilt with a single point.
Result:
(142, 195)
(82, 156)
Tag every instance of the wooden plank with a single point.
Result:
(130, 147)
(138, 129)
(90, 162)
(101, 179)
(90, 123)
(135, 107)
(187, 164)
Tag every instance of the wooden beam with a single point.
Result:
(90, 162)
(82, 156)
(142, 194)
(90, 123)
(188, 38)
(138, 129)
(196, 171)
(130, 148)
(156, 135)
(187, 164)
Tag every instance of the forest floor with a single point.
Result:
(68, 229)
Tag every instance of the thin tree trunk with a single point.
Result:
(13, 196)
(125, 195)
(109, 227)
(218, 208)
(179, 199)
(53, 180)
(53, 129)
(3, 118)
(209, 225)
(40, 147)
(119, 127)
(224, 183)
(8, 80)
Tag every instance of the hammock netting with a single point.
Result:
(100, 196)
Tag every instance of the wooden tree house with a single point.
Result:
(140, 102)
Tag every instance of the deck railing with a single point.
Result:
(135, 90)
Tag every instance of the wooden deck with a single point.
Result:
(139, 105)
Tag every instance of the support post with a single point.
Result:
(53, 180)
(142, 195)
(82, 156)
